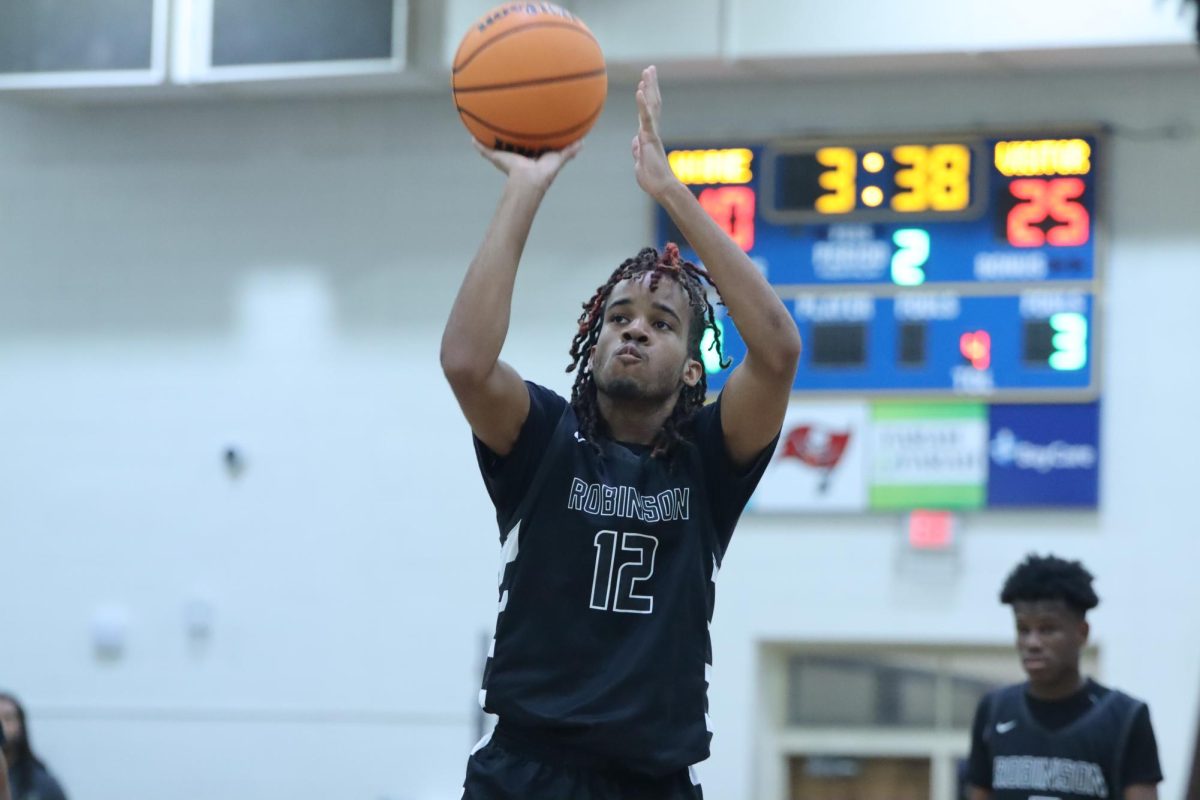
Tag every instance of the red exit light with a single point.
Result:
(930, 530)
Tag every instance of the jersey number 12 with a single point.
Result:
(615, 579)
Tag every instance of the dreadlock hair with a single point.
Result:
(689, 276)
(21, 767)
(1051, 578)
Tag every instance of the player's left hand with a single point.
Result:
(650, 165)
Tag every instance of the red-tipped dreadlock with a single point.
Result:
(689, 276)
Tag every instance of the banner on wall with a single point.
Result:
(928, 455)
(1044, 455)
(820, 463)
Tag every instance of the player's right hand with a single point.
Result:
(539, 171)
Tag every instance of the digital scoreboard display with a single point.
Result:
(925, 264)
(907, 213)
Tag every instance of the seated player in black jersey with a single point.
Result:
(1060, 735)
(615, 507)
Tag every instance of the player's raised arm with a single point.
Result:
(491, 393)
(754, 400)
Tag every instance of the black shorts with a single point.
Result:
(496, 772)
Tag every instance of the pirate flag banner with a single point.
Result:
(820, 463)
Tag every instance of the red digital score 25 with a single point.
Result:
(1053, 198)
(732, 207)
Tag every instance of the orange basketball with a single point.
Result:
(529, 77)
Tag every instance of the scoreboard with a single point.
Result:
(1032, 342)
(947, 290)
(956, 265)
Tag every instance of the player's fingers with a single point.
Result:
(653, 95)
(486, 152)
(645, 118)
(572, 150)
(489, 154)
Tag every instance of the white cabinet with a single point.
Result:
(217, 41)
(82, 44)
(73, 43)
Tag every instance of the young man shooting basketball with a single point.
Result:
(1059, 735)
(615, 508)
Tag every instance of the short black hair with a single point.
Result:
(1051, 578)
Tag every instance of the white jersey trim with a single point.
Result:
(482, 743)
(509, 552)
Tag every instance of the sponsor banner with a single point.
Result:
(928, 455)
(819, 464)
(1044, 455)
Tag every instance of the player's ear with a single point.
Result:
(591, 355)
(693, 370)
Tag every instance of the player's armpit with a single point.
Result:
(753, 404)
(1141, 791)
(495, 405)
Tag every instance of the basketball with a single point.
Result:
(529, 77)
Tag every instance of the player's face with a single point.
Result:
(1050, 637)
(10, 721)
(642, 353)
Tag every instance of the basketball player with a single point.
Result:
(614, 508)
(1059, 735)
(4, 793)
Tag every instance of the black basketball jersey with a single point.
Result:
(1081, 761)
(607, 587)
